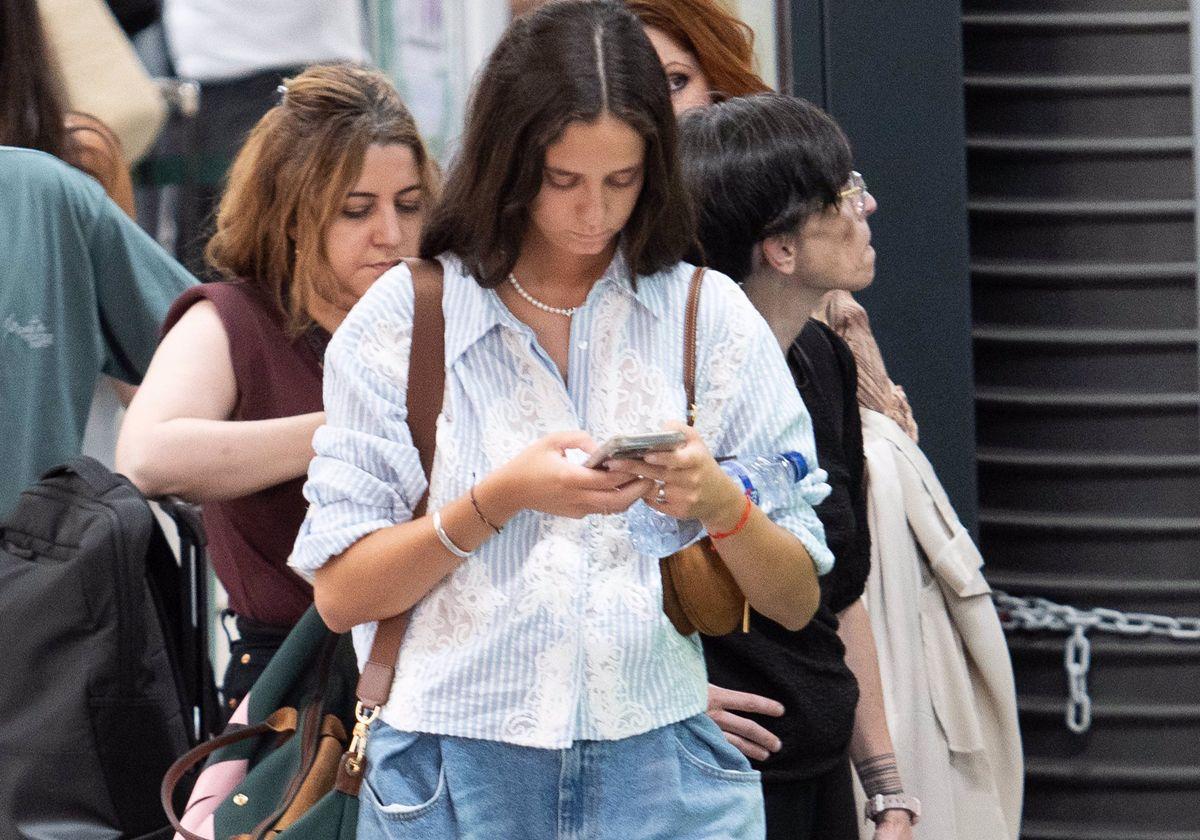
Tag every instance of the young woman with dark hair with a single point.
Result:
(33, 112)
(328, 193)
(31, 96)
(541, 690)
(781, 211)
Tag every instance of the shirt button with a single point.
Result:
(583, 345)
(245, 659)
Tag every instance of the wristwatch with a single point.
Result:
(879, 803)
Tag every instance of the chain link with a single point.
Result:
(1041, 614)
(1077, 659)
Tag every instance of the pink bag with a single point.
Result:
(216, 783)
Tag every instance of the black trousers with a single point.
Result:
(248, 658)
(821, 808)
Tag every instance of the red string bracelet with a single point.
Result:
(739, 526)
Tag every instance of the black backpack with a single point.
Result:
(104, 673)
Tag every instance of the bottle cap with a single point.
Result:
(799, 464)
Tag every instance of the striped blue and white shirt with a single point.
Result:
(554, 631)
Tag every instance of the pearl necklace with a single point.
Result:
(545, 307)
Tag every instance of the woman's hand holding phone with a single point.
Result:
(693, 484)
(542, 478)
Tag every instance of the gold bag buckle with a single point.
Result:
(358, 738)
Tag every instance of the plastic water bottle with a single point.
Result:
(769, 480)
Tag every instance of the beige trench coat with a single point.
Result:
(947, 677)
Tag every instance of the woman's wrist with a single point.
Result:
(880, 774)
(728, 507)
(495, 499)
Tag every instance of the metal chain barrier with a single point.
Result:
(1041, 614)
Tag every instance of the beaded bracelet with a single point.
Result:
(486, 521)
(739, 526)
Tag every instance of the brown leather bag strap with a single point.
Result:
(427, 363)
(282, 721)
(426, 384)
(689, 343)
(689, 385)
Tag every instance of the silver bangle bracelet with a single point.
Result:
(445, 538)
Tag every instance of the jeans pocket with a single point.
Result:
(702, 746)
(405, 778)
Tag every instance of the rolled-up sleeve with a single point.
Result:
(367, 473)
(749, 405)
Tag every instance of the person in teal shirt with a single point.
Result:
(83, 291)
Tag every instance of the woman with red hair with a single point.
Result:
(707, 52)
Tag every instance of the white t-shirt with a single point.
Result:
(212, 40)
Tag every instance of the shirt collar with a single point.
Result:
(471, 310)
(649, 294)
(652, 292)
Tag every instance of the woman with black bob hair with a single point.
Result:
(540, 689)
(781, 211)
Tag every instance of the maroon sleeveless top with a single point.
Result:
(249, 539)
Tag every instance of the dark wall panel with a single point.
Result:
(890, 71)
(1083, 261)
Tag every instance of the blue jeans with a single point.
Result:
(679, 782)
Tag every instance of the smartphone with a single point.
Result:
(634, 446)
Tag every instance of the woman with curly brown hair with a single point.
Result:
(327, 194)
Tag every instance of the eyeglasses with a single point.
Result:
(857, 193)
